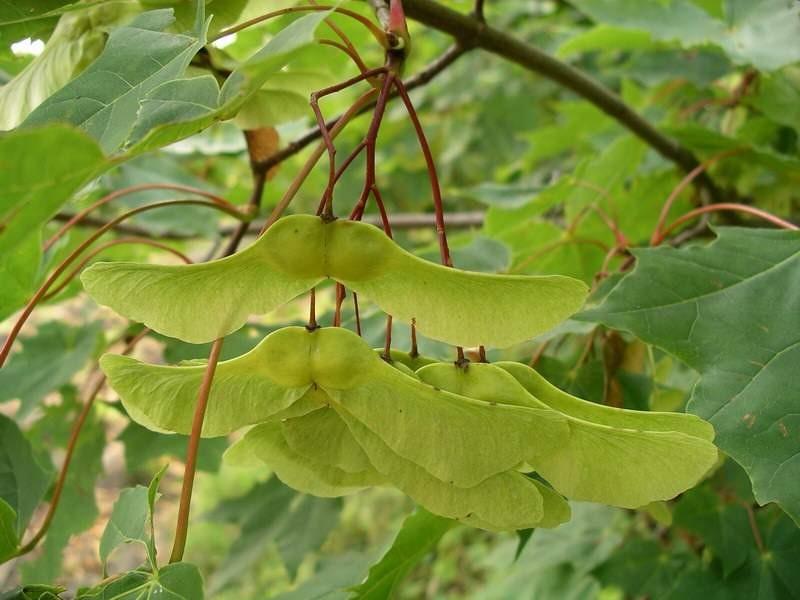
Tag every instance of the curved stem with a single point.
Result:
(370, 141)
(438, 205)
(182, 527)
(45, 287)
(376, 31)
(77, 218)
(323, 127)
(658, 234)
(301, 176)
(723, 206)
(118, 242)
(70, 451)
(354, 56)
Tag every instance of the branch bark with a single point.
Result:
(470, 32)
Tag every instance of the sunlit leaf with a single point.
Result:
(104, 99)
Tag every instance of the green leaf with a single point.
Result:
(131, 520)
(182, 107)
(271, 515)
(37, 181)
(78, 509)
(724, 528)
(176, 581)
(23, 483)
(295, 254)
(9, 538)
(730, 310)
(143, 446)
(76, 41)
(778, 97)
(613, 464)
(48, 360)
(498, 194)
(418, 536)
(34, 592)
(19, 271)
(104, 99)
(740, 35)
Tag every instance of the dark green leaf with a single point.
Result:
(48, 360)
(418, 536)
(23, 482)
(104, 99)
(731, 310)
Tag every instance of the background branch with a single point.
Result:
(471, 32)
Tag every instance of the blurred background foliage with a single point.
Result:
(524, 163)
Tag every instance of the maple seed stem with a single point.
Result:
(436, 191)
(302, 175)
(182, 526)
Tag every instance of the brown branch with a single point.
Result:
(459, 220)
(470, 32)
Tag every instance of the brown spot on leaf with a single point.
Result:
(749, 420)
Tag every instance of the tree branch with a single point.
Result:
(470, 32)
(399, 221)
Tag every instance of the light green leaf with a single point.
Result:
(614, 465)
(605, 37)
(757, 33)
(48, 360)
(778, 97)
(176, 581)
(418, 536)
(578, 408)
(731, 310)
(448, 304)
(36, 181)
(76, 41)
(104, 99)
(128, 522)
(183, 107)
(23, 481)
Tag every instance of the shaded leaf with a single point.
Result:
(48, 360)
(731, 310)
(418, 536)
